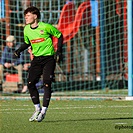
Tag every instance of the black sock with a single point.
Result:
(34, 95)
(47, 96)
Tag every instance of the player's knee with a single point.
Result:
(30, 84)
(47, 83)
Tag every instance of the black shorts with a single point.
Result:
(42, 65)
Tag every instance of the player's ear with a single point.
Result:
(35, 16)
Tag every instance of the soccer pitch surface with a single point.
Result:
(68, 116)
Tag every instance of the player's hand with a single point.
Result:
(16, 54)
(58, 57)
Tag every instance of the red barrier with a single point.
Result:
(12, 78)
(71, 28)
(71, 20)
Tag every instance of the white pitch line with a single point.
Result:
(5, 107)
(79, 113)
(120, 106)
(120, 123)
(60, 108)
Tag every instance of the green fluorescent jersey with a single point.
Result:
(40, 38)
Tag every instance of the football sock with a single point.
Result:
(37, 107)
(44, 109)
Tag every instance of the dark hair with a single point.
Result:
(32, 10)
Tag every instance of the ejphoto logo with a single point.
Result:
(119, 127)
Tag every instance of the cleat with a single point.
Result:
(40, 117)
(34, 116)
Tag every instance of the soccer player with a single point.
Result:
(38, 35)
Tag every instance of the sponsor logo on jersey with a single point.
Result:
(37, 40)
(41, 32)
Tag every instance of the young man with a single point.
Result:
(38, 35)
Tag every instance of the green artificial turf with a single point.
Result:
(68, 116)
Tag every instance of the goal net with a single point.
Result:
(94, 49)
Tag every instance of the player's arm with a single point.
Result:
(59, 49)
(56, 33)
(20, 49)
(60, 43)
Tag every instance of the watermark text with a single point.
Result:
(119, 127)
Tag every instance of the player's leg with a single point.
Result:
(48, 75)
(35, 72)
(1, 76)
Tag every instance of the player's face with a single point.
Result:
(30, 18)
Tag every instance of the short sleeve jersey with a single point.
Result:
(40, 38)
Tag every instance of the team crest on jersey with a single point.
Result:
(41, 32)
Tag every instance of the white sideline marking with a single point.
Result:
(7, 109)
(120, 123)
(79, 113)
(129, 98)
(120, 106)
(15, 105)
(70, 107)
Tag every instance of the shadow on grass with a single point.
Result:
(100, 119)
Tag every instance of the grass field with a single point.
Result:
(68, 116)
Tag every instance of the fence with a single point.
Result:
(95, 43)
